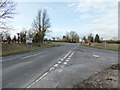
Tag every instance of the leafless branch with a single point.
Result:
(7, 9)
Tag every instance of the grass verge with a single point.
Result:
(22, 50)
(62, 42)
(112, 47)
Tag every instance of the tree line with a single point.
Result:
(71, 36)
(97, 39)
(90, 38)
(40, 25)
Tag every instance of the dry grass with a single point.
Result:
(114, 47)
(15, 48)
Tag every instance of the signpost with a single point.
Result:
(29, 40)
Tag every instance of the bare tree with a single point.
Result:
(6, 9)
(90, 37)
(45, 23)
(53, 38)
(73, 36)
(41, 24)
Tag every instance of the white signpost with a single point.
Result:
(29, 40)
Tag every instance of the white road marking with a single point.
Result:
(59, 70)
(65, 63)
(56, 65)
(67, 54)
(59, 62)
(41, 77)
(37, 80)
(62, 59)
(72, 53)
(96, 56)
(69, 57)
(75, 47)
(67, 60)
(34, 55)
(52, 68)
(27, 56)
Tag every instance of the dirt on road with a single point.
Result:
(109, 78)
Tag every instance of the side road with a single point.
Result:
(79, 65)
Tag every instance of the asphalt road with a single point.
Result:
(54, 67)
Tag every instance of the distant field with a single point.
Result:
(60, 42)
(15, 48)
(107, 46)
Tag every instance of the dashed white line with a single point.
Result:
(33, 55)
(96, 56)
(59, 62)
(56, 65)
(59, 70)
(62, 59)
(65, 63)
(52, 68)
(26, 57)
(67, 60)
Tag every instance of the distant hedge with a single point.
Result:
(113, 41)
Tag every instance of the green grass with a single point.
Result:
(62, 42)
(113, 47)
(11, 52)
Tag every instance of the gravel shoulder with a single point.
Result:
(107, 78)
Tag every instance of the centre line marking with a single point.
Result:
(56, 65)
(65, 63)
(96, 56)
(62, 59)
(67, 54)
(71, 55)
(37, 80)
(52, 68)
(67, 60)
(59, 62)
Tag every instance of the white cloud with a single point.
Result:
(64, 0)
(94, 6)
(105, 22)
(85, 16)
(48, 8)
(71, 5)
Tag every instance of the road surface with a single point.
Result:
(54, 67)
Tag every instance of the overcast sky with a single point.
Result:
(83, 16)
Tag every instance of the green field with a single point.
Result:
(107, 46)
